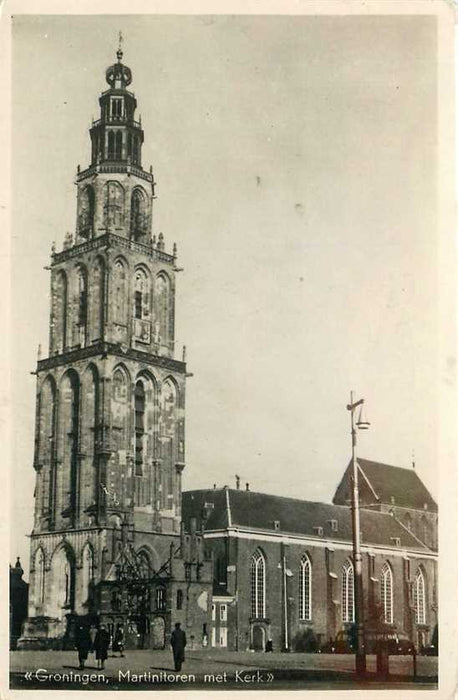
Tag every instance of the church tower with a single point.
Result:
(109, 439)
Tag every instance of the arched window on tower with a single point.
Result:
(348, 593)
(120, 293)
(136, 152)
(59, 330)
(118, 146)
(113, 205)
(111, 145)
(129, 146)
(139, 427)
(142, 295)
(305, 589)
(138, 214)
(386, 593)
(144, 565)
(419, 598)
(162, 310)
(258, 585)
(82, 306)
(39, 577)
(86, 212)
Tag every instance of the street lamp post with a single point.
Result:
(356, 531)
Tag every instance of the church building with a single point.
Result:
(109, 440)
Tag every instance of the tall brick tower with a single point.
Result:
(109, 440)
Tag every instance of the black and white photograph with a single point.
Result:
(229, 360)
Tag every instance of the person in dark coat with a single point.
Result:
(101, 644)
(83, 643)
(118, 641)
(178, 642)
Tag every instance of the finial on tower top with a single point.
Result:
(119, 53)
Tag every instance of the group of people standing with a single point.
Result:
(89, 640)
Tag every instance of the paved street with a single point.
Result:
(213, 670)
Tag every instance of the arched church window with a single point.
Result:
(111, 145)
(118, 146)
(60, 323)
(120, 293)
(258, 585)
(129, 145)
(348, 593)
(408, 521)
(162, 307)
(139, 427)
(144, 565)
(82, 305)
(141, 295)
(419, 598)
(86, 212)
(113, 205)
(305, 589)
(97, 301)
(138, 214)
(386, 593)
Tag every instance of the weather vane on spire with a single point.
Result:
(119, 51)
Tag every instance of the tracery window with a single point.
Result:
(386, 593)
(419, 598)
(348, 593)
(138, 213)
(86, 211)
(113, 205)
(139, 426)
(305, 589)
(258, 585)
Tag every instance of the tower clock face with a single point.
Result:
(117, 72)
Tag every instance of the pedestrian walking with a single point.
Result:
(118, 641)
(83, 644)
(178, 642)
(101, 644)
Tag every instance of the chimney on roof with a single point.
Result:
(247, 486)
(237, 482)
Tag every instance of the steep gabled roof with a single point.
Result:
(269, 513)
(386, 483)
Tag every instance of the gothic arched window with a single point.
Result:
(419, 598)
(113, 205)
(82, 306)
(258, 585)
(348, 593)
(60, 321)
(144, 565)
(97, 301)
(141, 295)
(39, 577)
(305, 589)
(408, 521)
(162, 308)
(139, 427)
(386, 593)
(138, 214)
(120, 293)
(86, 212)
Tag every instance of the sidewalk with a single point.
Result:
(211, 669)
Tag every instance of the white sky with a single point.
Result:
(295, 160)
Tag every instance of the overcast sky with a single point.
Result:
(295, 160)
